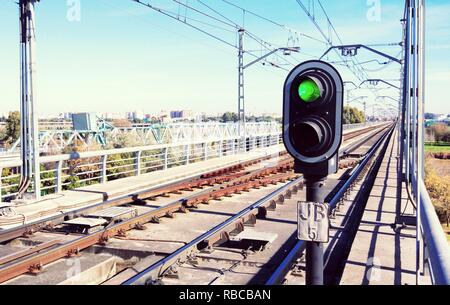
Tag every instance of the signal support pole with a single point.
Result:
(312, 134)
(314, 250)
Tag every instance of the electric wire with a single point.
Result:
(169, 14)
(204, 14)
(273, 22)
(146, 20)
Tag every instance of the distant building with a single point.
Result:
(164, 117)
(200, 117)
(181, 115)
(130, 115)
(175, 114)
(432, 119)
(65, 115)
(85, 121)
(113, 115)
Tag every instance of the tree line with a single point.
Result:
(353, 115)
(438, 133)
(11, 132)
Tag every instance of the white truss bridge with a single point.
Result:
(54, 138)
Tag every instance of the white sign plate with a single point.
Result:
(313, 222)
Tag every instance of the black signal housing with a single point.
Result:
(312, 129)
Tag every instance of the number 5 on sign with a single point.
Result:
(313, 222)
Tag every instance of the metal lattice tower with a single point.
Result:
(241, 101)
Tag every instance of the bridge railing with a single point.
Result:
(436, 249)
(69, 171)
(432, 248)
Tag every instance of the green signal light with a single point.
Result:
(309, 91)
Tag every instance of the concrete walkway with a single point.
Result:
(383, 253)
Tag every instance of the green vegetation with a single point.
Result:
(437, 138)
(438, 134)
(439, 190)
(437, 148)
(2, 134)
(233, 117)
(229, 117)
(12, 129)
(353, 116)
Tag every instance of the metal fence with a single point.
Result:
(69, 171)
(432, 248)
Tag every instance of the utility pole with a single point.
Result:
(29, 142)
(348, 98)
(241, 101)
(347, 90)
(365, 113)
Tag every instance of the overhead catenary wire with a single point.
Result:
(169, 14)
(276, 23)
(353, 65)
(355, 69)
(228, 22)
(217, 12)
(146, 20)
(205, 14)
(219, 21)
(186, 20)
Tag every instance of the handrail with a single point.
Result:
(435, 240)
(223, 145)
(97, 153)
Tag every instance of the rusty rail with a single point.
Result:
(217, 176)
(232, 183)
(220, 233)
(35, 264)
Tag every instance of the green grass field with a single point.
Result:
(437, 148)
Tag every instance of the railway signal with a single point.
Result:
(312, 117)
(312, 134)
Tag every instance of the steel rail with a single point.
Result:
(161, 153)
(345, 152)
(356, 133)
(35, 263)
(299, 247)
(189, 182)
(156, 270)
(199, 180)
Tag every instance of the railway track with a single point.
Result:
(191, 253)
(343, 219)
(216, 185)
(206, 179)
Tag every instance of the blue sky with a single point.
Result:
(121, 56)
